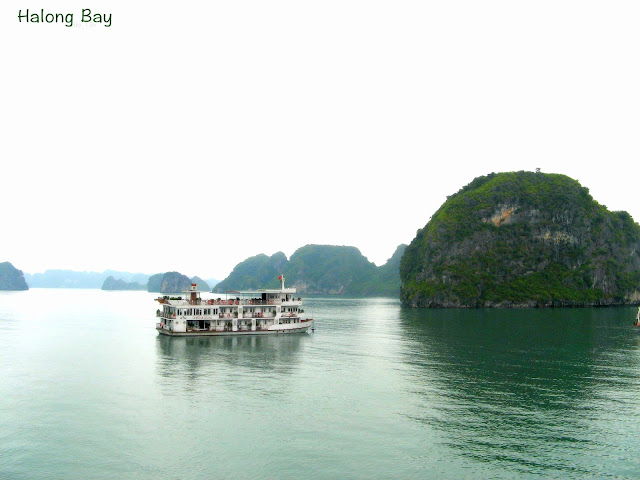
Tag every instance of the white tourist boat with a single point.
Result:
(257, 312)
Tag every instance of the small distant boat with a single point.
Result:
(637, 324)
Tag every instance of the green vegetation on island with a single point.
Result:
(386, 280)
(318, 269)
(11, 278)
(523, 239)
(255, 272)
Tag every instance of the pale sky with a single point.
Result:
(191, 135)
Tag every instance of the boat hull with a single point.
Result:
(213, 333)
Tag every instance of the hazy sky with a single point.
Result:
(191, 135)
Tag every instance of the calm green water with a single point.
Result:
(88, 390)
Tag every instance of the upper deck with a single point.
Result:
(281, 296)
(232, 301)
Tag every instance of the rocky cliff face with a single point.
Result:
(154, 284)
(11, 278)
(201, 284)
(174, 282)
(169, 282)
(523, 239)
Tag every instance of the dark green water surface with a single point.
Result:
(88, 390)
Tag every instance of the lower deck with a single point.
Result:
(297, 327)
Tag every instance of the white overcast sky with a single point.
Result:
(191, 135)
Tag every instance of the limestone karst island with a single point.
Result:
(523, 239)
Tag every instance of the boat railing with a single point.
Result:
(221, 302)
(246, 302)
(292, 301)
(260, 302)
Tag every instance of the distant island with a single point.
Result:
(319, 269)
(11, 278)
(523, 239)
(169, 282)
(74, 279)
(107, 280)
(111, 283)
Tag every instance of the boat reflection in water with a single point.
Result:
(221, 357)
(519, 389)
